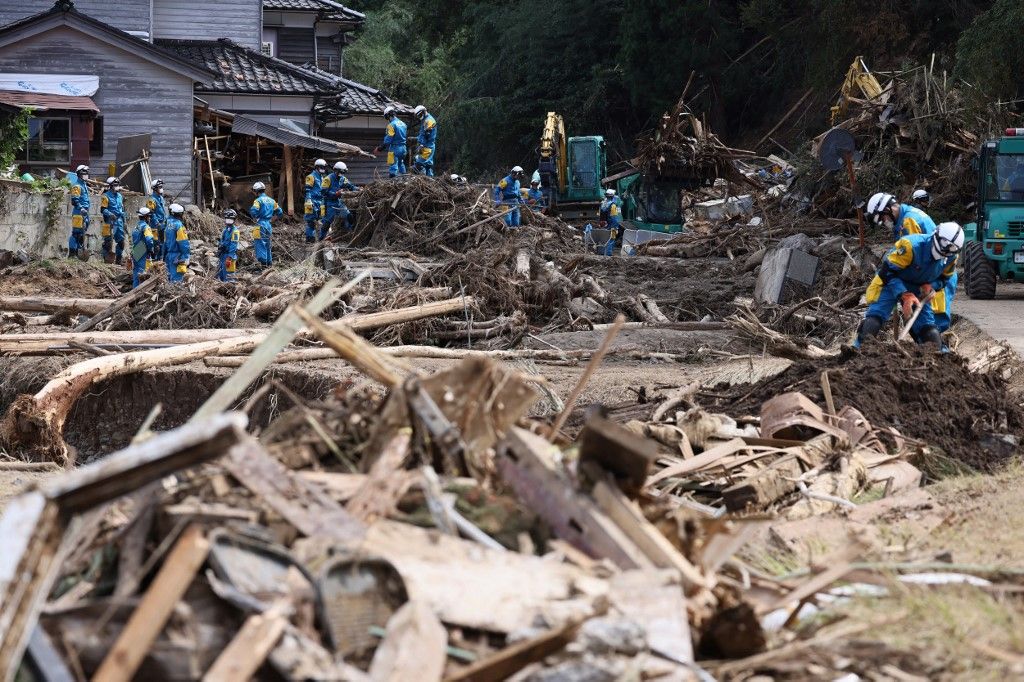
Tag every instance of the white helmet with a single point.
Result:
(113, 181)
(319, 163)
(340, 166)
(388, 111)
(947, 240)
(609, 192)
(143, 211)
(82, 168)
(156, 184)
(454, 177)
(877, 205)
(517, 169)
(420, 111)
(920, 195)
(258, 187)
(176, 209)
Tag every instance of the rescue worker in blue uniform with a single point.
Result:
(143, 245)
(158, 212)
(394, 143)
(262, 210)
(427, 141)
(535, 197)
(177, 249)
(913, 220)
(112, 209)
(916, 266)
(507, 193)
(611, 218)
(80, 204)
(336, 207)
(227, 253)
(921, 199)
(902, 219)
(316, 183)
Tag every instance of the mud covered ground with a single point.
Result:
(930, 397)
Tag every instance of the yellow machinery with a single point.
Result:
(859, 81)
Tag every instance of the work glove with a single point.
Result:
(926, 289)
(908, 302)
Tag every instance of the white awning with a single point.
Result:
(50, 84)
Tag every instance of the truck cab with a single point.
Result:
(994, 243)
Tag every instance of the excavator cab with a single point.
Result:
(571, 169)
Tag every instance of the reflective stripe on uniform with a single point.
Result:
(874, 289)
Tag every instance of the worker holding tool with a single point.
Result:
(918, 266)
(143, 245)
(394, 142)
(112, 209)
(263, 209)
(611, 218)
(337, 183)
(80, 205)
(427, 141)
(158, 212)
(227, 252)
(317, 183)
(902, 219)
(535, 197)
(177, 249)
(507, 193)
(921, 199)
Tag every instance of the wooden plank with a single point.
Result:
(385, 485)
(618, 450)
(257, 637)
(148, 620)
(414, 646)
(289, 180)
(302, 504)
(704, 460)
(649, 539)
(512, 659)
(525, 464)
(132, 296)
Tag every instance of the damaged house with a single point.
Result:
(146, 67)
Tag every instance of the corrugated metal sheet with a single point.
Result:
(127, 15)
(237, 20)
(243, 125)
(135, 96)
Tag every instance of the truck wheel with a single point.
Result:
(979, 273)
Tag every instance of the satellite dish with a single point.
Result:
(834, 147)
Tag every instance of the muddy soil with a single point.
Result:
(57, 277)
(927, 396)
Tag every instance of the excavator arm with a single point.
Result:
(859, 81)
(553, 151)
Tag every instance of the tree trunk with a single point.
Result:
(42, 304)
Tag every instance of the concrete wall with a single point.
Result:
(135, 96)
(41, 223)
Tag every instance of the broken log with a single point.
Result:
(40, 344)
(510, 660)
(132, 296)
(42, 304)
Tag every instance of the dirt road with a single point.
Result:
(1001, 318)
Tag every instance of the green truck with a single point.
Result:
(994, 244)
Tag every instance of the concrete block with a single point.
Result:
(786, 274)
(722, 209)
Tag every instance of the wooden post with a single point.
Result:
(155, 608)
(289, 180)
(209, 163)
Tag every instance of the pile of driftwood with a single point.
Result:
(683, 146)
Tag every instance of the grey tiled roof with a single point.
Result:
(241, 70)
(329, 8)
(356, 98)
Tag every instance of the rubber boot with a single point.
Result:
(869, 326)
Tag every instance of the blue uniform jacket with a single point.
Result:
(176, 240)
(910, 263)
(611, 211)
(394, 135)
(263, 209)
(112, 208)
(229, 241)
(80, 202)
(155, 204)
(338, 182)
(912, 220)
(507, 191)
(144, 233)
(428, 132)
(315, 186)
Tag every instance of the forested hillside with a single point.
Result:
(489, 70)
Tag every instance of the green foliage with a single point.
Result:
(990, 52)
(13, 134)
(489, 70)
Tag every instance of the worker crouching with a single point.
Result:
(914, 270)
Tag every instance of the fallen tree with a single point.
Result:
(33, 425)
(42, 304)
